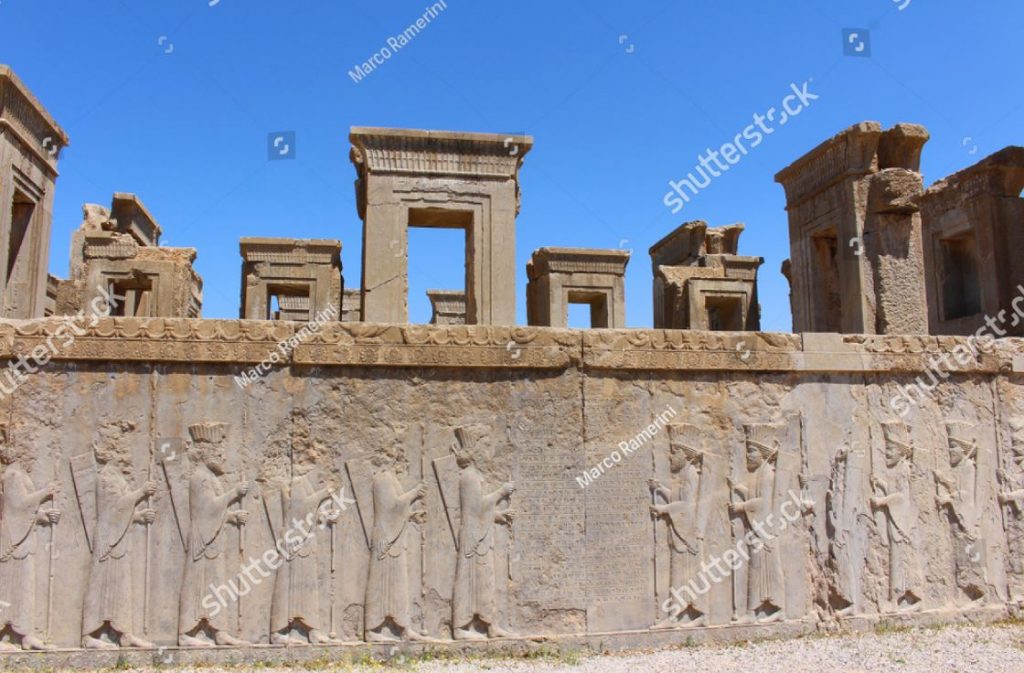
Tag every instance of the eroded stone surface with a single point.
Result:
(117, 263)
(701, 281)
(569, 550)
(559, 277)
(303, 275)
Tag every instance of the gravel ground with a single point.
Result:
(989, 649)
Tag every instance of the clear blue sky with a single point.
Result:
(620, 98)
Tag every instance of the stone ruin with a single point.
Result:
(971, 228)
(855, 233)
(563, 276)
(303, 277)
(185, 489)
(30, 147)
(448, 307)
(116, 258)
(701, 281)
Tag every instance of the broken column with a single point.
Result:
(973, 226)
(855, 232)
(562, 276)
(30, 145)
(702, 283)
(291, 279)
(116, 253)
(468, 181)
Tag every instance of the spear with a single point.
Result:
(149, 536)
(153, 385)
(334, 632)
(241, 559)
(53, 561)
(997, 419)
(654, 531)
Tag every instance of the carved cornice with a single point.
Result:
(416, 152)
(336, 344)
(850, 153)
(688, 350)
(26, 118)
(578, 260)
(291, 251)
(998, 175)
(134, 218)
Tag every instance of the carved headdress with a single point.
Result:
(467, 438)
(897, 436)
(763, 437)
(685, 437)
(961, 436)
(208, 433)
(111, 439)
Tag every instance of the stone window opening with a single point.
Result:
(828, 301)
(131, 297)
(22, 210)
(289, 302)
(725, 314)
(460, 223)
(961, 286)
(597, 302)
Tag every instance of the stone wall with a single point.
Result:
(580, 423)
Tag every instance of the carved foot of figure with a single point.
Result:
(131, 640)
(225, 640)
(469, 634)
(909, 603)
(667, 623)
(413, 636)
(495, 631)
(748, 618)
(6, 646)
(286, 639)
(91, 643)
(33, 643)
(185, 640)
(776, 616)
(379, 637)
(318, 637)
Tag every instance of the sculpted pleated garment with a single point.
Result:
(685, 545)
(296, 592)
(387, 587)
(17, 551)
(474, 568)
(205, 560)
(765, 579)
(904, 568)
(109, 596)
